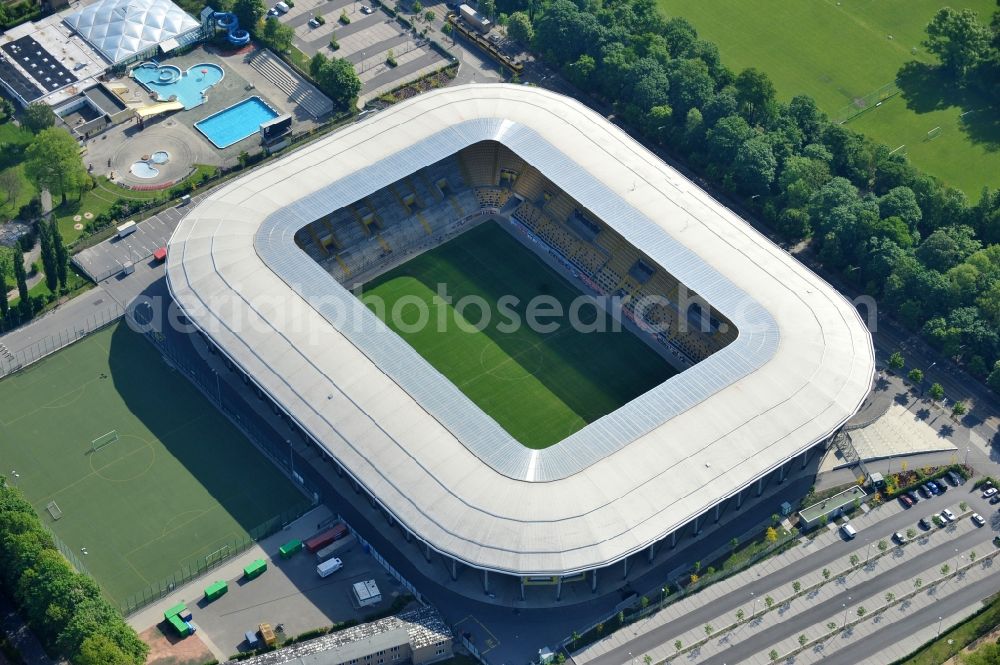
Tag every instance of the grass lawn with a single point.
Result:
(839, 51)
(12, 141)
(956, 639)
(540, 387)
(174, 486)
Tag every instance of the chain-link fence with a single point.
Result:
(11, 362)
(70, 555)
(869, 101)
(202, 565)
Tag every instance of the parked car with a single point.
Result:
(913, 496)
(899, 537)
(365, 9)
(942, 486)
(977, 519)
(281, 8)
(925, 491)
(957, 477)
(995, 499)
(990, 492)
(948, 515)
(905, 500)
(925, 523)
(313, 23)
(848, 531)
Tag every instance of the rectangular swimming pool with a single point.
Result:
(237, 122)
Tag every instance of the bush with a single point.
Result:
(320, 19)
(344, 18)
(334, 45)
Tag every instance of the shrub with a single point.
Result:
(344, 18)
(320, 19)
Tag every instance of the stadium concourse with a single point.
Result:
(783, 362)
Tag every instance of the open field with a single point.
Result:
(838, 51)
(171, 489)
(539, 386)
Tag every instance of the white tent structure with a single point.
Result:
(122, 29)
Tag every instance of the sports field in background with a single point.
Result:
(179, 483)
(539, 387)
(839, 51)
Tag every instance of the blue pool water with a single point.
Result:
(236, 122)
(169, 82)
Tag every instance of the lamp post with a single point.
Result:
(845, 613)
(940, 620)
(754, 612)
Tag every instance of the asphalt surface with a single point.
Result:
(837, 553)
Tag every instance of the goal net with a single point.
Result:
(933, 134)
(103, 440)
(54, 511)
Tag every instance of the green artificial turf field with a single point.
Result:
(539, 386)
(172, 489)
(839, 50)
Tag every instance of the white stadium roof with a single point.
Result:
(119, 29)
(801, 366)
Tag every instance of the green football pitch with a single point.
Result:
(539, 385)
(837, 51)
(172, 488)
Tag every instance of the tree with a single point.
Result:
(733, 544)
(419, 7)
(4, 305)
(917, 583)
(768, 601)
(796, 586)
(647, 659)
(276, 35)
(958, 39)
(38, 117)
(53, 162)
(771, 535)
(488, 7)
(249, 13)
(936, 392)
(429, 16)
(754, 166)
(725, 139)
(678, 645)
(48, 256)
(993, 380)
(947, 247)
(519, 28)
(861, 611)
(890, 597)
(11, 184)
(831, 626)
(644, 602)
(883, 545)
(576, 638)
(987, 654)
(916, 376)
(972, 556)
(773, 654)
(826, 573)
(855, 559)
(100, 650)
(802, 640)
(756, 96)
(336, 78)
(911, 533)
(740, 614)
(24, 301)
(958, 409)
(896, 361)
(62, 256)
(945, 569)
(709, 629)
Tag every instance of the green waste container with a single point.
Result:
(288, 549)
(216, 590)
(255, 569)
(182, 628)
(174, 611)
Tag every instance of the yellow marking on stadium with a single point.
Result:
(382, 242)
(423, 222)
(343, 266)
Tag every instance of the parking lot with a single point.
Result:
(365, 42)
(293, 595)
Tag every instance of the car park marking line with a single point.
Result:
(491, 640)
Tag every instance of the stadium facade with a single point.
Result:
(795, 366)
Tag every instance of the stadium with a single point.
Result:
(533, 454)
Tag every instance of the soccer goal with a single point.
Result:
(103, 440)
(933, 134)
(54, 511)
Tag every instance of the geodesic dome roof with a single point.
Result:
(121, 28)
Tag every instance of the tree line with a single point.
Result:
(930, 256)
(64, 608)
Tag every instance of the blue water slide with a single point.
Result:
(236, 35)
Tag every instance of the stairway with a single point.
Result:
(298, 90)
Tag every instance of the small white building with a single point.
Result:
(366, 593)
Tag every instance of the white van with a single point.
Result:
(328, 568)
(282, 8)
(848, 531)
(126, 228)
